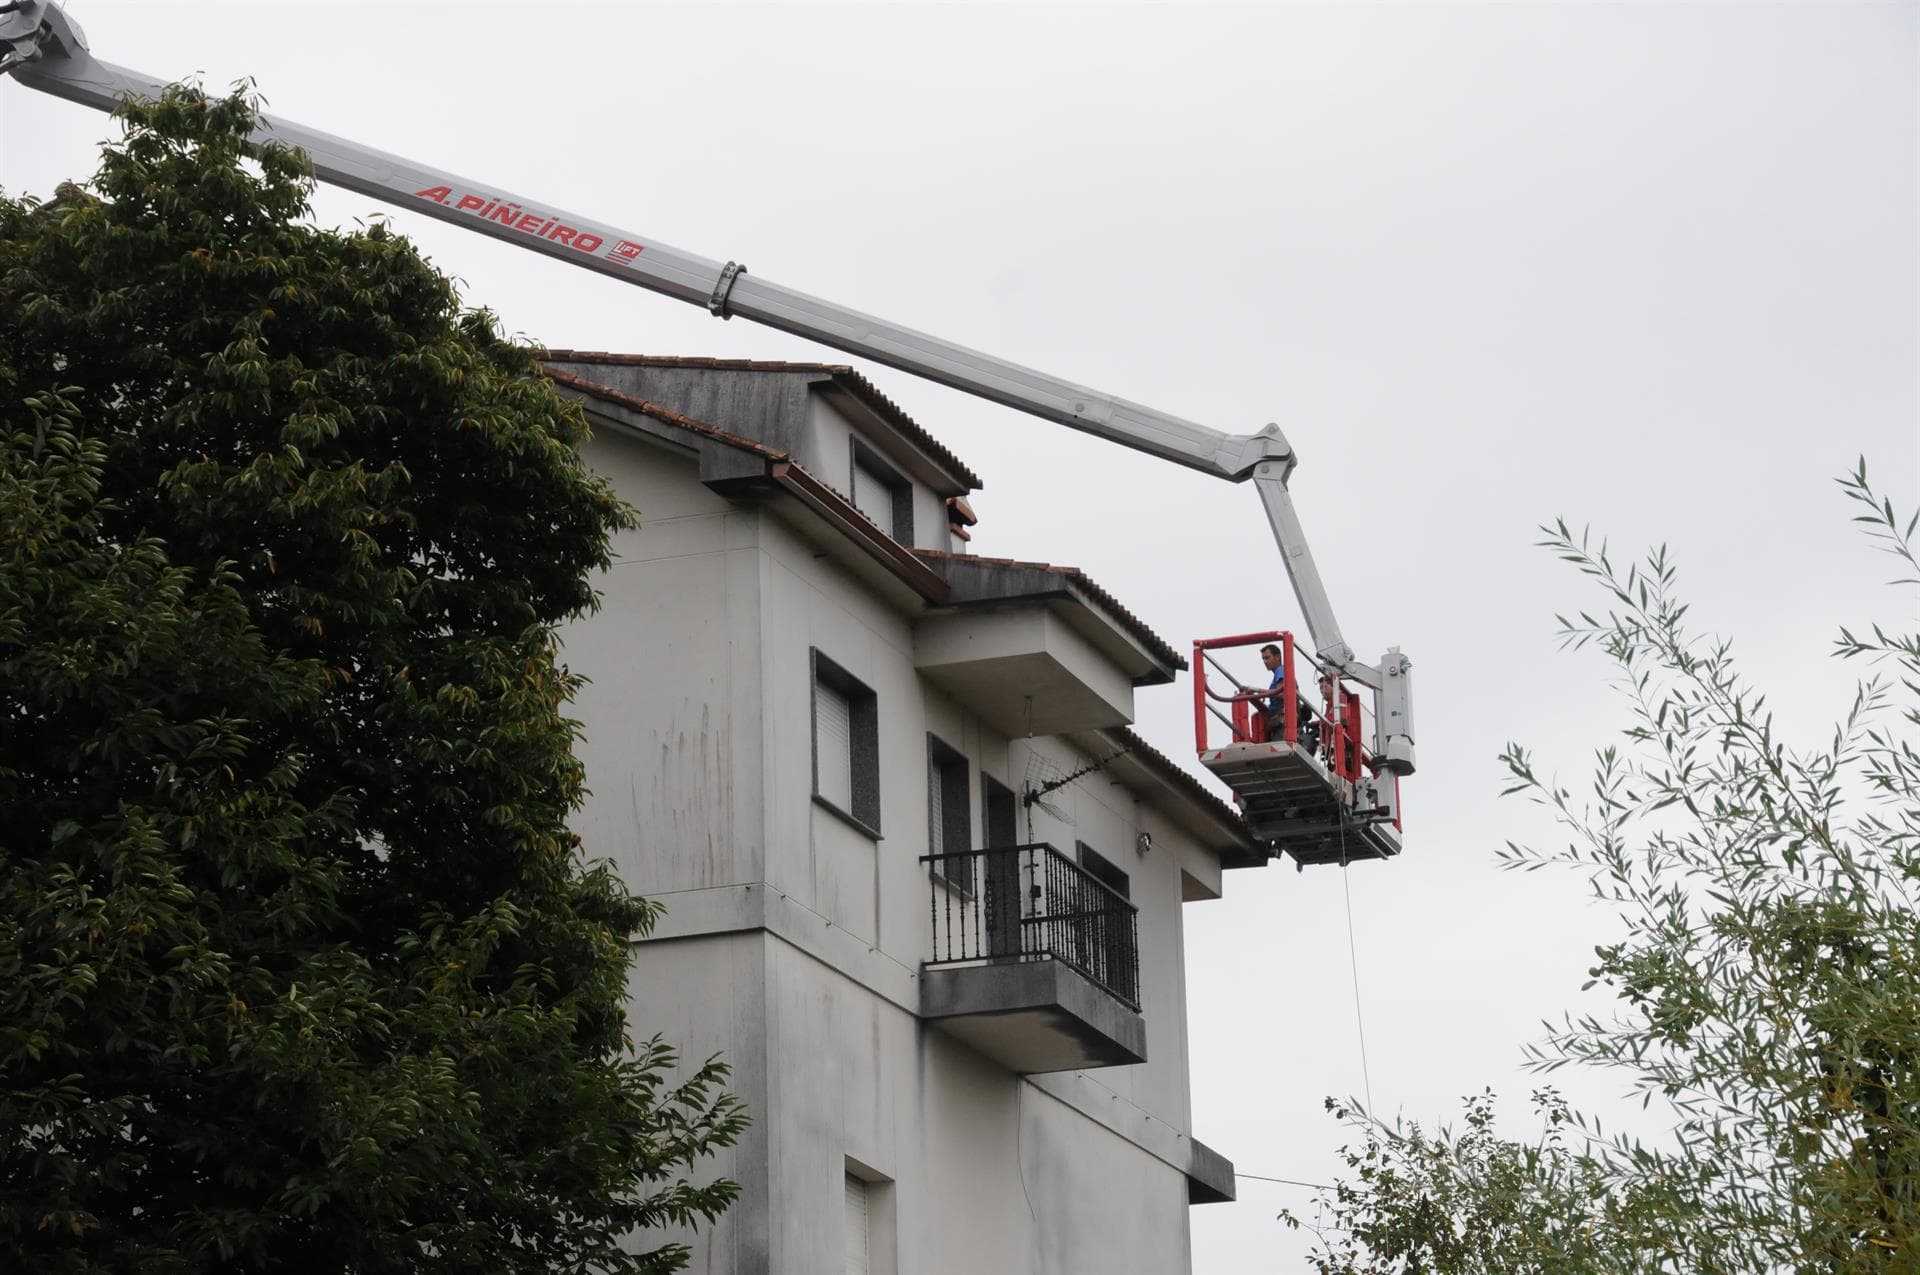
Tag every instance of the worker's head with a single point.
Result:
(1327, 685)
(1270, 656)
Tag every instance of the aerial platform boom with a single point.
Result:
(43, 49)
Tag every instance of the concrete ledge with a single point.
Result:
(1023, 669)
(731, 909)
(1209, 1175)
(1033, 1016)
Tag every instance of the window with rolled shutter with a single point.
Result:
(833, 745)
(846, 745)
(949, 813)
(857, 1227)
(873, 496)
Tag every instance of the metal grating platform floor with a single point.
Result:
(1290, 799)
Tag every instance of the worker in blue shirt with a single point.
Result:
(1310, 716)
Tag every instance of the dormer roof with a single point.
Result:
(917, 451)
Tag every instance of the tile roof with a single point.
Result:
(787, 474)
(1151, 640)
(843, 375)
(659, 413)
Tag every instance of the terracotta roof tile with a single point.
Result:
(843, 375)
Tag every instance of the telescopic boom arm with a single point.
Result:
(45, 50)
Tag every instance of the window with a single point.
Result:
(949, 807)
(1004, 897)
(846, 746)
(858, 1227)
(998, 806)
(1104, 940)
(882, 493)
(867, 1221)
(1102, 870)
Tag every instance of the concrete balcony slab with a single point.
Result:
(1023, 669)
(1033, 1016)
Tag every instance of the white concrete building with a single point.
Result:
(924, 887)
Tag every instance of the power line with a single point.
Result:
(1258, 1177)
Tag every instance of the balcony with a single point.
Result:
(1035, 963)
(1025, 670)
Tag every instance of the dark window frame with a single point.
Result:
(864, 455)
(863, 742)
(990, 790)
(1104, 870)
(1117, 943)
(1004, 900)
(949, 768)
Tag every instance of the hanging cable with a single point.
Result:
(1353, 964)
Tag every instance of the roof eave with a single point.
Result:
(1187, 801)
(749, 470)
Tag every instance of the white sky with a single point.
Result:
(1649, 266)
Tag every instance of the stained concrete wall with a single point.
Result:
(990, 1172)
(793, 940)
(675, 667)
(930, 522)
(986, 1171)
(706, 995)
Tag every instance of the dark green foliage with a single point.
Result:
(299, 967)
(1767, 977)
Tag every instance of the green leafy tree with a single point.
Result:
(300, 969)
(1767, 978)
(1468, 1199)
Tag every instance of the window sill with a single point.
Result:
(854, 821)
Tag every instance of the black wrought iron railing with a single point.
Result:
(1027, 903)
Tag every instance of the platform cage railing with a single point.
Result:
(1329, 720)
(1030, 903)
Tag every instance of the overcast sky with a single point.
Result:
(1649, 266)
